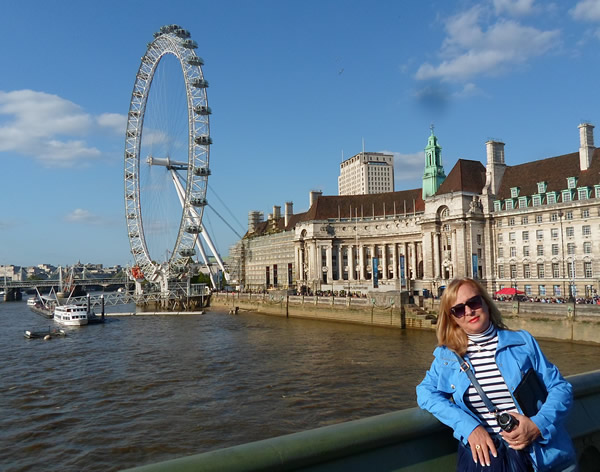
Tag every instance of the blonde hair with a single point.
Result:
(449, 333)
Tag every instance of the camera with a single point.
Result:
(507, 422)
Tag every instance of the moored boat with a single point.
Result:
(50, 333)
(31, 301)
(71, 315)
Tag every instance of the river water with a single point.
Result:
(142, 389)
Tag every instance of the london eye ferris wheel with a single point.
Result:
(167, 148)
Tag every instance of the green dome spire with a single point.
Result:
(434, 171)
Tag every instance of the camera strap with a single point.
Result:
(466, 368)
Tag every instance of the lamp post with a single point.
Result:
(513, 283)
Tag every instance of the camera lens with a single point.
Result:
(507, 422)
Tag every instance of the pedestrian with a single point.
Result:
(505, 402)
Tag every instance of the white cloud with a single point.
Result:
(586, 10)
(514, 7)
(469, 51)
(48, 128)
(407, 168)
(468, 90)
(82, 216)
(113, 121)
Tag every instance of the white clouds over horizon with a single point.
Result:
(408, 167)
(50, 129)
(471, 50)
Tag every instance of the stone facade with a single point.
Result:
(366, 172)
(532, 226)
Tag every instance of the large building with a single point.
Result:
(532, 226)
(366, 172)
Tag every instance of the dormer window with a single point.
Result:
(537, 200)
(571, 182)
(541, 187)
(498, 205)
(566, 196)
(508, 204)
(514, 192)
(583, 193)
(551, 198)
(522, 202)
(597, 191)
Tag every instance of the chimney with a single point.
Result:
(586, 145)
(495, 166)
(289, 211)
(314, 194)
(276, 212)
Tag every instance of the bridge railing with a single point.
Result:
(408, 440)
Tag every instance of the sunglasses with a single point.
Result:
(474, 303)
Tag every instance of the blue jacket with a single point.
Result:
(443, 389)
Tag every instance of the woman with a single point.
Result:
(470, 325)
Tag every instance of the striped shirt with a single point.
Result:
(481, 351)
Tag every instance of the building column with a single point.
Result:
(454, 256)
(329, 262)
(373, 254)
(436, 255)
(315, 263)
(413, 260)
(361, 262)
(351, 262)
(300, 264)
(384, 262)
(395, 262)
(340, 262)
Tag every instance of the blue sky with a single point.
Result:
(294, 88)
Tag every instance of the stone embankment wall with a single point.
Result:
(567, 322)
(389, 310)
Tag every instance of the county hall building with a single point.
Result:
(533, 226)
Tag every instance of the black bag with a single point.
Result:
(508, 460)
(530, 393)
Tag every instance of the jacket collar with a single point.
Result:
(509, 338)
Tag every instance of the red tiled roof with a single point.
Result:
(553, 170)
(465, 176)
(349, 206)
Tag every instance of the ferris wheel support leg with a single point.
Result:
(138, 288)
(206, 238)
(196, 216)
(205, 259)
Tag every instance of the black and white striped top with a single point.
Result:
(481, 351)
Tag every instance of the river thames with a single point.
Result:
(142, 389)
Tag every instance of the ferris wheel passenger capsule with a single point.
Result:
(195, 61)
(203, 139)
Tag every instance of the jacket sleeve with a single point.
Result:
(435, 396)
(560, 393)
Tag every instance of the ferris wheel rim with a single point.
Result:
(174, 40)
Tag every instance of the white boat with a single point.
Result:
(31, 301)
(71, 315)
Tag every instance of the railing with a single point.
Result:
(299, 299)
(409, 440)
(57, 283)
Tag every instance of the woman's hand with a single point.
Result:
(523, 435)
(481, 445)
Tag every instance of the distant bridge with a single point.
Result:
(57, 282)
